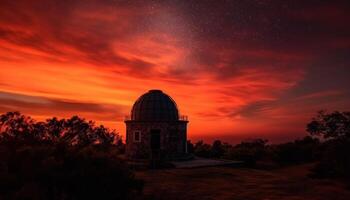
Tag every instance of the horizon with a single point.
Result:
(237, 69)
(230, 139)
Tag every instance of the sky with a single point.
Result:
(238, 69)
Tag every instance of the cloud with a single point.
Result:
(39, 106)
(252, 110)
(71, 30)
(163, 39)
(221, 61)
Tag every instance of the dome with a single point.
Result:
(154, 106)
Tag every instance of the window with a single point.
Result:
(137, 136)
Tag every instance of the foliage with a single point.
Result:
(217, 149)
(202, 149)
(61, 172)
(61, 159)
(15, 127)
(331, 152)
(335, 125)
(251, 151)
(334, 128)
(298, 151)
(335, 160)
(248, 151)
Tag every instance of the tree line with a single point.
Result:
(62, 159)
(76, 159)
(328, 145)
(15, 127)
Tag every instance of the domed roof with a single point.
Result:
(154, 106)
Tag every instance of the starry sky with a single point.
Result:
(238, 68)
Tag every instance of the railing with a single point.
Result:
(181, 118)
(127, 118)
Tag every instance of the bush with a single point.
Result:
(335, 160)
(217, 149)
(18, 128)
(53, 172)
(202, 150)
(62, 159)
(299, 151)
(334, 128)
(248, 151)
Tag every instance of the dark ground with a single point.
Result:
(289, 183)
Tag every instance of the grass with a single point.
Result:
(290, 183)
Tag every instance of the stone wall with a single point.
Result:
(173, 138)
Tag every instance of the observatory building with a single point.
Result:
(155, 129)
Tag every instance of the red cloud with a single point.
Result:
(230, 71)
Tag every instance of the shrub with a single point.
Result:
(52, 172)
(62, 159)
(202, 150)
(248, 151)
(334, 128)
(15, 127)
(299, 151)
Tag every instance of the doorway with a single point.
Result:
(155, 148)
(155, 139)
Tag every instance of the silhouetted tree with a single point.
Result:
(55, 129)
(73, 131)
(202, 149)
(46, 172)
(217, 149)
(335, 125)
(335, 129)
(61, 159)
(248, 151)
(298, 151)
(15, 126)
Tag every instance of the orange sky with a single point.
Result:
(235, 74)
